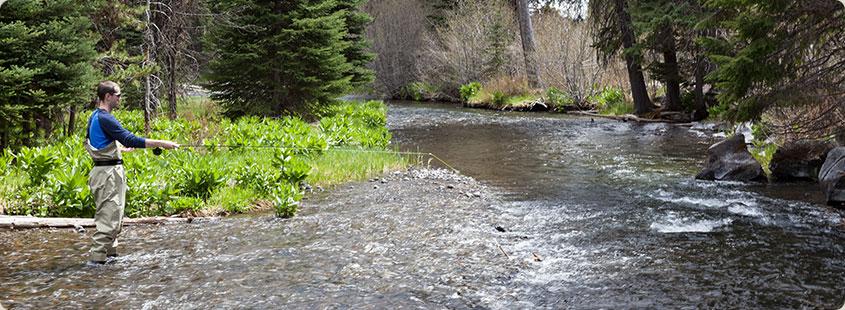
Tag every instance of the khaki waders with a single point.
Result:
(108, 186)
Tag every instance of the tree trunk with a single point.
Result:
(4, 133)
(171, 83)
(148, 37)
(26, 129)
(642, 104)
(671, 75)
(700, 107)
(71, 121)
(529, 48)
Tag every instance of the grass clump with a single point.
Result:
(611, 101)
(499, 93)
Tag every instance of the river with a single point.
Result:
(610, 209)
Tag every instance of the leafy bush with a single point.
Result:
(52, 180)
(499, 99)
(37, 162)
(557, 99)
(612, 101)
(184, 204)
(200, 177)
(286, 200)
(419, 91)
(233, 199)
(70, 193)
(470, 90)
(293, 170)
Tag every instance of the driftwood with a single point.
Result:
(633, 118)
(23, 222)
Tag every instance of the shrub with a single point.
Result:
(558, 99)
(259, 178)
(70, 193)
(419, 91)
(233, 199)
(37, 162)
(199, 177)
(611, 101)
(470, 90)
(499, 99)
(184, 204)
(286, 200)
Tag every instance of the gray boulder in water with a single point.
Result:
(799, 161)
(730, 160)
(832, 176)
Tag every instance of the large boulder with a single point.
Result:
(799, 161)
(730, 160)
(832, 176)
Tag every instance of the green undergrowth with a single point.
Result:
(265, 163)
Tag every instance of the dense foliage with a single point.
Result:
(52, 180)
(280, 57)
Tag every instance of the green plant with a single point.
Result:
(612, 101)
(199, 177)
(70, 193)
(558, 99)
(470, 90)
(499, 99)
(286, 200)
(233, 199)
(184, 204)
(37, 162)
(419, 91)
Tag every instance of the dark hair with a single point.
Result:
(106, 87)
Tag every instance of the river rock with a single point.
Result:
(832, 176)
(799, 161)
(730, 160)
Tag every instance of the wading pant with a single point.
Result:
(108, 185)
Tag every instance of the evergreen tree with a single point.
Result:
(614, 31)
(284, 57)
(667, 28)
(776, 53)
(357, 52)
(45, 65)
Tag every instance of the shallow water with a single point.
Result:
(613, 209)
(610, 208)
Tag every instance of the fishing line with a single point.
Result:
(158, 151)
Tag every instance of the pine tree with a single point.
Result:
(357, 52)
(667, 28)
(45, 65)
(614, 31)
(284, 57)
(777, 53)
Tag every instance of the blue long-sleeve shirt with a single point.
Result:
(103, 129)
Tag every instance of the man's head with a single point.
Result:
(108, 93)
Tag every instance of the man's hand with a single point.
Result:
(126, 149)
(169, 145)
(161, 144)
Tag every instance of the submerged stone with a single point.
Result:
(832, 177)
(730, 160)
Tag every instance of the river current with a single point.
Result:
(595, 213)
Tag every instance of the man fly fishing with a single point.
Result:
(108, 179)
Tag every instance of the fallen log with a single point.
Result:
(628, 117)
(25, 222)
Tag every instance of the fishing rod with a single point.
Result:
(158, 151)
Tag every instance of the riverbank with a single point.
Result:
(224, 167)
